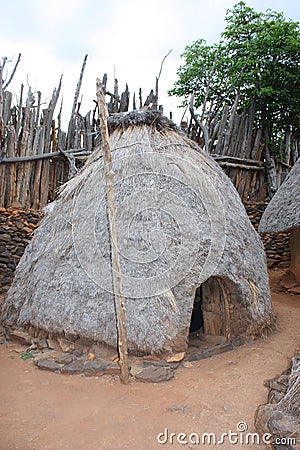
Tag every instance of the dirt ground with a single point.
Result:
(40, 410)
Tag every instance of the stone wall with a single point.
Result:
(277, 245)
(17, 226)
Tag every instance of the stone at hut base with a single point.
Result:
(95, 349)
(49, 364)
(176, 358)
(78, 352)
(73, 367)
(64, 358)
(65, 345)
(42, 343)
(53, 344)
(134, 370)
(95, 367)
(98, 367)
(112, 369)
(21, 336)
(155, 374)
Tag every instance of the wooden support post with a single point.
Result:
(111, 206)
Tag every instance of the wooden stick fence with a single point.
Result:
(37, 157)
(237, 144)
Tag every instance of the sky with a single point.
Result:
(126, 39)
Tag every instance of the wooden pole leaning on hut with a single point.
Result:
(111, 206)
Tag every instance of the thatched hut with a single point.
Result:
(183, 235)
(283, 214)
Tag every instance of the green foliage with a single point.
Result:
(259, 56)
(26, 355)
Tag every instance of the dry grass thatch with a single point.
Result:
(180, 221)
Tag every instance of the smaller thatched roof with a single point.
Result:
(283, 211)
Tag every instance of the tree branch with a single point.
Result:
(13, 72)
(158, 77)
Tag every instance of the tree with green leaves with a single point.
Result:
(258, 59)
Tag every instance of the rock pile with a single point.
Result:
(81, 356)
(16, 228)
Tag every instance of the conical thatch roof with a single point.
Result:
(283, 211)
(180, 221)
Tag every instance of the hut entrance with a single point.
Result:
(197, 314)
(210, 317)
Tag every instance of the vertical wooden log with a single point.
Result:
(39, 145)
(116, 97)
(242, 136)
(23, 147)
(12, 168)
(200, 124)
(271, 170)
(53, 167)
(155, 97)
(219, 146)
(88, 137)
(250, 128)
(7, 97)
(38, 109)
(75, 106)
(255, 153)
(78, 87)
(44, 184)
(287, 145)
(104, 81)
(252, 194)
(48, 117)
(134, 102)
(20, 111)
(230, 124)
(124, 102)
(116, 268)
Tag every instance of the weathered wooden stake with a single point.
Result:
(111, 206)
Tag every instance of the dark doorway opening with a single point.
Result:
(210, 319)
(197, 314)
